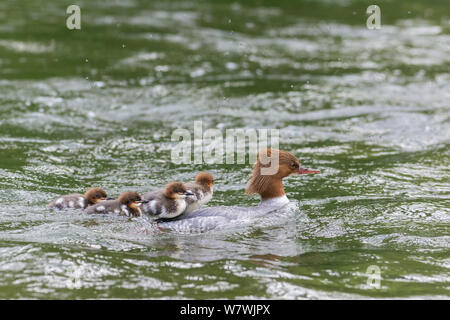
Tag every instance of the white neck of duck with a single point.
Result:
(275, 201)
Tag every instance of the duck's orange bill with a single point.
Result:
(306, 171)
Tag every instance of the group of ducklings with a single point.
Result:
(170, 202)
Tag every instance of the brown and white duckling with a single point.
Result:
(167, 203)
(126, 205)
(202, 188)
(79, 201)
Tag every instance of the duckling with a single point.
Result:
(202, 188)
(79, 201)
(126, 205)
(167, 203)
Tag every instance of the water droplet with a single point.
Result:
(123, 45)
(87, 60)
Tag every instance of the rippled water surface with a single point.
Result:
(97, 107)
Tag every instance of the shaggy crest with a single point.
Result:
(129, 197)
(173, 188)
(93, 195)
(204, 178)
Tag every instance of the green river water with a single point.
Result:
(98, 106)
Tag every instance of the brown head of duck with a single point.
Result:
(272, 165)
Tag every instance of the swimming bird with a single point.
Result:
(167, 203)
(271, 167)
(79, 201)
(126, 205)
(202, 188)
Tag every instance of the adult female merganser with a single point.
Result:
(202, 188)
(268, 186)
(167, 203)
(126, 205)
(79, 201)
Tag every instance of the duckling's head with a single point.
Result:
(176, 190)
(130, 198)
(204, 178)
(94, 195)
